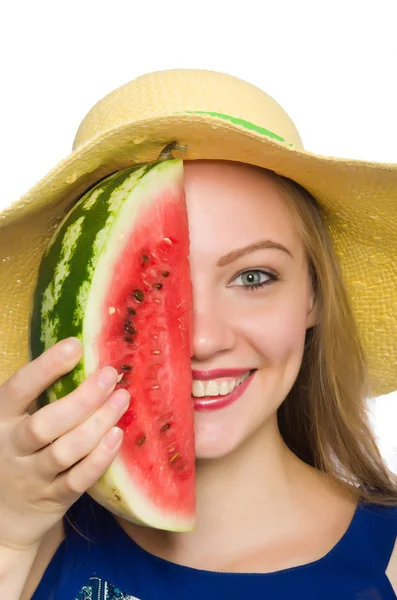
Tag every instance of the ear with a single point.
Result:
(312, 314)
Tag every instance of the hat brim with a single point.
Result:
(360, 200)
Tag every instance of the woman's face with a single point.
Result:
(252, 302)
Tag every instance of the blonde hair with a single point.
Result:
(324, 419)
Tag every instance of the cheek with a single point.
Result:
(277, 329)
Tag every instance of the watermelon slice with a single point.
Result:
(116, 275)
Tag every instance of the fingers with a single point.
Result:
(18, 392)
(58, 418)
(72, 447)
(73, 483)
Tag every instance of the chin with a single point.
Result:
(214, 441)
(210, 448)
(218, 435)
(220, 432)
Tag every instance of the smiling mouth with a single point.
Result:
(216, 394)
(217, 387)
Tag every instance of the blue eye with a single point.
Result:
(254, 279)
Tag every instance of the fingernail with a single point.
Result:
(70, 347)
(113, 438)
(107, 377)
(120, 399)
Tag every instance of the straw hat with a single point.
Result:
(216, 116)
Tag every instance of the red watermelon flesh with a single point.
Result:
(147, 338)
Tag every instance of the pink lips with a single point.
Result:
(208, 403)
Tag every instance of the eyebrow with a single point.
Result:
(235, 254)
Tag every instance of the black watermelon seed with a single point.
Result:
(126, 368)
(128, 338)
(139, 295)
(145, 258)
(165, 427)
(129, 329)
(158, 286)
(141, 440)
(165, 273)
(131, 310)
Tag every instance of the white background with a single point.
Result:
(332, 64)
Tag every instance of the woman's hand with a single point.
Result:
(50, 458)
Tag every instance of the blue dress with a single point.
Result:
(112, 566)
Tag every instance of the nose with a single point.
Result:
(213, 332)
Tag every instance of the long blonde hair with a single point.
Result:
(324, 419)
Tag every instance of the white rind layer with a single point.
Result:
(117, 492)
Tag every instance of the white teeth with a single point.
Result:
(244, 377)
(212, 389)
(201, 388)
(198, 390)
(223, 388)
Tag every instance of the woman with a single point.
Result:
(293, 499)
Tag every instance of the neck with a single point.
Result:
(244, 499)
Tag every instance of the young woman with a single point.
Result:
(293, 499)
